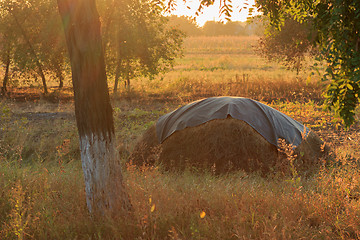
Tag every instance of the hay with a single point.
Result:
(147, 149)
(310, 151)
(222, 145)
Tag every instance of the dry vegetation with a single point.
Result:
(42, 191)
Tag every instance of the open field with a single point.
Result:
(42, 190)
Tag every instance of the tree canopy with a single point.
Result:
(137, 38)
(185, 24)
(32, 39)
(337, 28)
(289, 46)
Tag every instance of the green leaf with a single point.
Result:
(349, 86)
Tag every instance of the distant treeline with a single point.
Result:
(136, 38)
(212, 28)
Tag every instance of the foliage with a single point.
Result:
(137, 39)
(256, 26)
(8, 41)
(185, 24)
(289, 45)
(33, 48)
(212, 28)
(6, 48)
(337, 26)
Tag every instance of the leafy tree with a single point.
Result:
(213, 28)
(230, 28)
(185, 24)
(337, 26)
(234, 28)
(256, 25)
(52, 46)
(8, 41)
(138, 40)
(289, 46)
(25, 53)
(6, 59)
(39, 47)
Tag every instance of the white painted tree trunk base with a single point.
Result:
(102, 172)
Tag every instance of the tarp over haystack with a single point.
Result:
(225, 133)
(267, 121)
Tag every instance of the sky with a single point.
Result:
(212, 13)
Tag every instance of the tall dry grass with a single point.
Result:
(49, 203)
(44, 198)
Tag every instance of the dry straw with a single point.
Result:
(222, 145)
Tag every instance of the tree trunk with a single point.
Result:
(61, 80)
(59, 74)
(117, 76)
(6, 76)
(33, 53)
(108, 20)
(128, 72)
(105, 192)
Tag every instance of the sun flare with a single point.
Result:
(211, 13)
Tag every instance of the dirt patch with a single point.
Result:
(34, 116)
(25, 94)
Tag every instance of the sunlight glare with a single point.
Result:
(212, 13)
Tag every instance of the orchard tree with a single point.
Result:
(289, 45)
(7, 40)
(213, 28)
(185, 24)
(26, 55)
(138, 40)
(51, 41)
(105, 192)
(39, 47)
(6, 53)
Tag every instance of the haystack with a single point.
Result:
(222, 145)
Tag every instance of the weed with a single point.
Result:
(20, 216)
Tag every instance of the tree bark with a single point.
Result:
(117, 76)
(128, 72)
(105, 192)
(6, 76)
(59, 74)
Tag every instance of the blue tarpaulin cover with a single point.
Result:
(267, 121)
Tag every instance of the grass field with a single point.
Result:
(42, 190)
